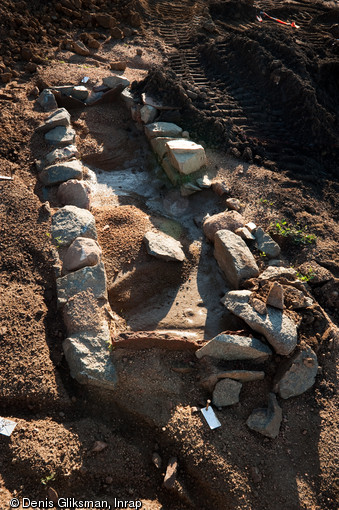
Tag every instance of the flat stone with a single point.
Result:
(47, 101)
(88, 278)
(163, 247)
(188, 188)
(61, 172)
(266, 421)
(245, 234)
(234, 204)
(300, 376)
(79, 92)
(70, 222)
(160, 129)
(244, 376)
(114, 81)
(319, 273)
(226, 393)
(82, 313)
(63, 154)
(60, 117)
(159, 145)
(274, 273)
(89, 359)
(171, 473)
(266, 244)
(148, 114)
(170, 171)
(187, 157)
(227, 220)
(278, 329)
(276, 296)
(234, 258)
(76, 193)
(234, 347)
(80, 48)
(81, 253)
(60, 136)
(251, 226)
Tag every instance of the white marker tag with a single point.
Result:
(85, 79)
(7, 426)
(211, 418)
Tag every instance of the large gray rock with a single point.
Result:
(63, 154)
(234, 347)
(70, 222)
(88, 278)
(60, 136)
(300, 376)
(226, 393)
(266, 244)
(148, 113)
(47, 101)
(274, 273)
(234, 258)
(276, 296)
(267, 421)
(227, 220)
(89, 359)
(60, 117)
(163, 247)
(114, 81)
(162, 129)
(81, 253)
(61, 172)
(74, 192)
(279, 330)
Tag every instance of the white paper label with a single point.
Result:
(6, 426)
(211, 418)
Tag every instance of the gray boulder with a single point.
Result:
(70, 222)
(61, 172)
(163, 247)
(60, 117)
(226, 393)
(60, 136)
(234, 347)
(227, 220)
(267, 421)
(279, 330)
(47, 101)
(300, 376)
(88, 278)
(266, 243)
(82, 313)
(89, 359)
(81, 253)
(115, 80)
(274, 273)
(161, 129)
(74, 192)
(234, 258)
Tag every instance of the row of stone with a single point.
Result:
(81, 279)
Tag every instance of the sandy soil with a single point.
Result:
(154, 406)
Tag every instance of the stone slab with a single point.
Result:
(266, 244)
(161, 129)
(59, 117)
(186, 156)
(47, 101)
(70, 222)
(114, 81)
(300, 376)
(91, 278)
(63, 154)
(226, 393)
(61, 172)
(234, 347)
(89, 359)
(234, 258)
(60, 136)
(266, 421)
(164, 247)
(278, 329)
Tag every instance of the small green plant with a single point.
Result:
(56, 240)
(263, 254)
(265, 201)
(297, 233)
(306, 277)
(48, 479)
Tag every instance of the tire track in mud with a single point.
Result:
(252, 78)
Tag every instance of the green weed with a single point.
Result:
(306, 277)
(49, 478)
(297, 233)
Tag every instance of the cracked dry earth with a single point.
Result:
(54, 445)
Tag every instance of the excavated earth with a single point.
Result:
(263, 99)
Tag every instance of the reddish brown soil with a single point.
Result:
(153, 410)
